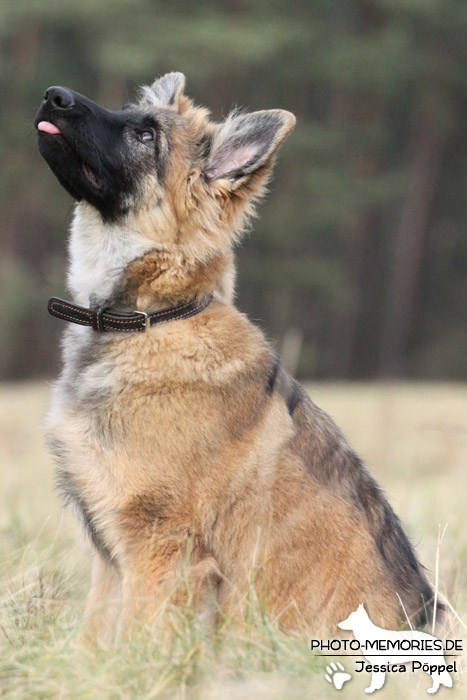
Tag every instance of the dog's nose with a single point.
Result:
(59, 98)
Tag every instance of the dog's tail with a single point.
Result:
(408, 577)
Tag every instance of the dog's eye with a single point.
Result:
(145, 136)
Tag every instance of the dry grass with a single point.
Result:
(413, 436)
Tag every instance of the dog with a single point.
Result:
(418, 645)
(181, 441)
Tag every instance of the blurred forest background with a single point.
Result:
(357, 264)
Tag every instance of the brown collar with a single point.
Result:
(103, 319)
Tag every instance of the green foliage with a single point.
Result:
(366, 79)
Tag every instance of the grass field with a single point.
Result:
(414, 437)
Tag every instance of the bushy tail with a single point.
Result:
(407, 574)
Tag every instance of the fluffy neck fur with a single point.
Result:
(112, 264)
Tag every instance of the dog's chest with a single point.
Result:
(99, 255)
(80, 431)
(83, 477)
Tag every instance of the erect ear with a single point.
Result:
(165, 91)
(243, 143)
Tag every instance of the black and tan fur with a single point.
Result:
(188, 449)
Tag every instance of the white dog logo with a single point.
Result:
(431, 661)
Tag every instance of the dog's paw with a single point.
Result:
(336, 674)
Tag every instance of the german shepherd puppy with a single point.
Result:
(185, 447)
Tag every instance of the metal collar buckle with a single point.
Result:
(147, 320)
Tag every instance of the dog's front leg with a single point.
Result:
(168, 575)
(103, 602)
(377, 681)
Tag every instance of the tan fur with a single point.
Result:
(187, 459)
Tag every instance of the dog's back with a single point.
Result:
(333, 526)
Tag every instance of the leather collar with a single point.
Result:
(103, 318)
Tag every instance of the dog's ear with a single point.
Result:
(245, 145)
(165, 91)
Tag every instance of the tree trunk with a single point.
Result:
(424, 156)
(343, 357)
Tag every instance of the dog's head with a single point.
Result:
(161, 166)
(356, 618)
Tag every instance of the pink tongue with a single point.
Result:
(48, 128)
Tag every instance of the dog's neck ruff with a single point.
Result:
(103, 319)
